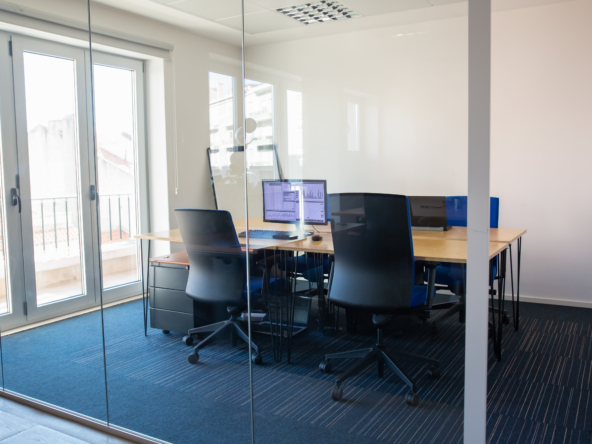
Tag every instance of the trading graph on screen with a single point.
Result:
(295, 201)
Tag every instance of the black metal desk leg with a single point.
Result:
(142, 282)
(517, 318)
(146, 300)
(516, 306)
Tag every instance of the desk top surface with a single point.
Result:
(175, 236)
(507, 235)
(504, 235)
(425, 249)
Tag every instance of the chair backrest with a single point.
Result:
(374, 263)
(217, 271)
(456, 211)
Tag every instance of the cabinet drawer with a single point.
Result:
(173, 300)
(170, 320)
(169, 277)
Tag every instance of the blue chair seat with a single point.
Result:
(454, 275)
(308, 271)
(419, 295)
(257, 285)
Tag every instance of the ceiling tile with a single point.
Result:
(164, 2)
(215, 10)
(260, 22)
(377, 7)
(277, 4)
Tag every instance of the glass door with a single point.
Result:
(11, 256)
(121, 181)
(50, 85)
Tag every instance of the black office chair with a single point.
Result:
(217, 273)
(374, 271)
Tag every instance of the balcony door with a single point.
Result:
(51, 265)
(53, 141)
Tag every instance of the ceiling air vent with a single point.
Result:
(319, 12)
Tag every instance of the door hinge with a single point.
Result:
(10, 48)
(93, 192)
(25, 308)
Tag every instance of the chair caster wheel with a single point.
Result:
(188, 340)
(166, 332)
(325, 367)
(257, 359)
(412, 399)
(505, 319)
(337, 393)
(434, 372)
(193, 358)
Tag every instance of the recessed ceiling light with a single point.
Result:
(319, 12)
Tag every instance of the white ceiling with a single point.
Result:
(221, 19)
(261, 16)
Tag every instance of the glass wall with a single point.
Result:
(52, 338)
(366, 114)
(168, 139)
(324, 300)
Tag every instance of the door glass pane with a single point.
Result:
(53, 161)
(116, 147)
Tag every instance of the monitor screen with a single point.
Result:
(290, 201)
(428, 211)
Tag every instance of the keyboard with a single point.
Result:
(274, 234)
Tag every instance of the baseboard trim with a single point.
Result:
(93, 423)
(550, 301)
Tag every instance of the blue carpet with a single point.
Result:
(540, 392)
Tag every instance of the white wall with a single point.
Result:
(542, 142)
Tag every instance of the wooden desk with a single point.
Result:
(255, 245)
(506, 235)
(424, 249)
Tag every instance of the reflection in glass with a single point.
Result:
(53, 162)
(116, 139)
(294, 111)
(222, 119)
(259, 106)
(353, 127)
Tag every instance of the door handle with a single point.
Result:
(15, 198)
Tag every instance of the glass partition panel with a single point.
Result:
(168, 113)
(366, 103)
(52, 338)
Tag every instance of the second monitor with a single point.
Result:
(295, 201)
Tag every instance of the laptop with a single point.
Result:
(428, 213)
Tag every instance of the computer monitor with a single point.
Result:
(295, 201)
(428, 212)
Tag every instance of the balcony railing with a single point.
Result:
(60, 226)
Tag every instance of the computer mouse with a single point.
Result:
(317, 237)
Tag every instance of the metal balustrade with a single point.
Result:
(61, 212)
